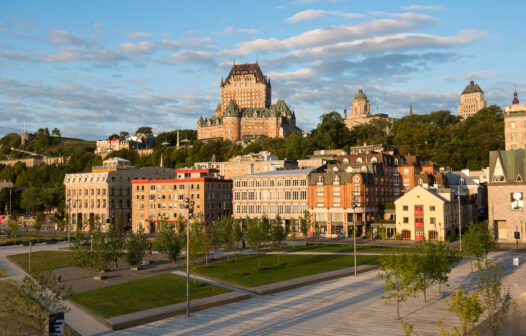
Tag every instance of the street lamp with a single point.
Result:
(354, 234)
(67, 221)
(459, 221)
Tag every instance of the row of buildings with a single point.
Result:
(336, 189)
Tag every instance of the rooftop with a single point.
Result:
(287, 172)
(471, 88)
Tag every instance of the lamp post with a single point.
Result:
(459, 221)
(354, 235)
(67, 221)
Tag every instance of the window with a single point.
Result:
(336, 202)
(432, 220)
(406, 220)
(336, 179)
(512, 124)
(432, 235)
(406, 234)
(405, 208)
(319, 191)
(336, 191)
(319, 202)
(320, 179)
(406, 171)
(431, 208)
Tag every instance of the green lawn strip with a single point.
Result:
(342, 248)
(138, 295)
(244, 271)
(23, 239)
(43, 260)
(2, 273)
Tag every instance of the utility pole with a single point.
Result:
(67, 221)
(354, 235)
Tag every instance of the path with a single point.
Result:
(347, 306)
(80, 321)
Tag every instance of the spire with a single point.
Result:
(222, 83)
(161, 164)
(515, 98)
(410, 109)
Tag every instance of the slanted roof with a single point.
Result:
(287, 172)
(247, 69)
(471, 88)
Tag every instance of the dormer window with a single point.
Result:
(374, 160)
(346, 161)
(335, 169)
(336, 179)
(359, 160)
(320, 179)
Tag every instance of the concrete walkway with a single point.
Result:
(80, 321)
(346, 306)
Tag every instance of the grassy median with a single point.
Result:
(43, 260)
(341, 248)
(2, 273)
(138, 295)
(33, 238)
(244, 271)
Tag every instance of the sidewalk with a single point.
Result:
(81, 322)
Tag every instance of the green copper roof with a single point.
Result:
(360, 95)
(471, 88)
(218, 108)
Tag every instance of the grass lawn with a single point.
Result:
(44, 260)
(341, 248)
(291, 266)
(137, 295)
(2, 273)
(23, 239)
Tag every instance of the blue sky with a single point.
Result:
(93, 68)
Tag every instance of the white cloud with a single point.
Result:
(139, 35)
(483, 74)
(232, 30)
(317, 13)
(423, 7)
(96, 24)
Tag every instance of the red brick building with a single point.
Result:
(154, 201)
(245, 109)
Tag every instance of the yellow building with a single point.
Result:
(515, 124)
(426, 214)
(471, 100)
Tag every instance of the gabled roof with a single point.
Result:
(420, 189)
(507, 165)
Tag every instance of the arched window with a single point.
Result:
(374, 160)
(359, 160)
(320, 179)
(346, 161)
(348, 169)
(336, 179)
(335, 169)
(364, 169)
(396, 162)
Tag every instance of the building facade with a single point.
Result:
(471, 100)
(252, 163)
(282, 192)
(104, 195)
(515, 124)
(360, 113)
(245, 111)
(158, 200)
(426, 214)
(506, 191)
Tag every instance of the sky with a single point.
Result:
(94, 68)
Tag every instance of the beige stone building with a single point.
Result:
(506, 191)
(282, 192)
(426, 214)
(154, 201)
(360, 113)
(104, 195)
(515, 124)
(248, 164)
(35, 161)
(471, 100)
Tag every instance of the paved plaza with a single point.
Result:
(346, 306)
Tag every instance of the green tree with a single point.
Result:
(12, 224)
(293, 232)
(39, 221)
(400, 280)
(136, 247)
(123, 135)
(331, 132)
(468, 310)
(169, 242)
(257, 234)
(495, 299)
(55, 132)
(478, 242)
(114, 245)
(305, 225)
(277, 235)
(100, 256)
(30, 302)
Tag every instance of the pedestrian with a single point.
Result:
(150, 247)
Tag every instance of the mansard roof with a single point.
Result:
(507, 166)
(247, 69)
